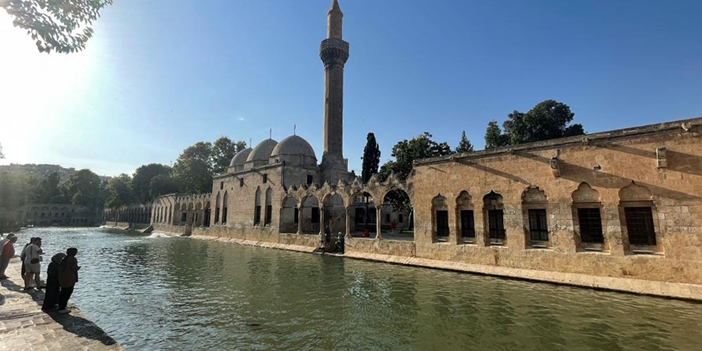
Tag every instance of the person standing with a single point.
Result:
(7, 251)
(53, 287)
(68, 277)
(22, 256)
(32, 262)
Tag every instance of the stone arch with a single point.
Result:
(465, 217)
(535, 217)
(396, 208)
(587, 218)
(225, 207)
(585, 193)
(362, 210)
(217, 206)
(440, 218)
(289, 215)
(635, 192)
(335, 211)
(310, 215)
(269, 208)
(493, 214)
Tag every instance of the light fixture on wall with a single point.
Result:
(597, 169)
(661, 157)
(555, 166)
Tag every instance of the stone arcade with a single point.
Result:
(619, 210)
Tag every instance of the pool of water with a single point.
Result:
(164, 293)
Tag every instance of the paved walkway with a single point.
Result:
(23, 326)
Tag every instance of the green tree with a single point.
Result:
(83, 188)
(464, 145)
(407, 151)
(162, 184)
(56, 25)
(141, 182)
(223, 149)
(494, 136)
(547, 120)
(119, 191)
(193, 169)
(371, 158)
(50, 192)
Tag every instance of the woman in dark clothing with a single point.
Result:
(68, 277)
(51, 296)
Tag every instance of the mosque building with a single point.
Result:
(619, 210)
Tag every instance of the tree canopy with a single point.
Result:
(371, 158)
(407, 151)
(464, 145)
(223, 149)
(119, 191)
(141, 182)
(547, 120)
(56, 25)
(83, 188)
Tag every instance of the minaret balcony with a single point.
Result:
(334, 50)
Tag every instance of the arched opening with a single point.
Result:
(638, 218)
(587, 218)
(289, 215)
(206, 217)
(216, 219)
(269, 207)
(257, 209)
(335, 211)
(396, 216)
(493, 212)
(363, 214)
(534, 212)
(465, 218)
(183, 214)
(440, 219)
(310, 215)
(197, 221)
(225, 209)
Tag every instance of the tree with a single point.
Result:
(119, 191)
(141, 182)
(494, 137)
(83, 188)
(50, 192)
(464, 145)
(408, 151)
(371, 158)
(162, 184)
(56, 25)
(547, 120)
(193, 169)
(223, 149)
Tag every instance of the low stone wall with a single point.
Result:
(257, 234)
(126, 225)
(380, 247)
(170, 229)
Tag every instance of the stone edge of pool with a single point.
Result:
(681, 291)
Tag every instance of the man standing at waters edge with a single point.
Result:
(32, 261)
(7, 251)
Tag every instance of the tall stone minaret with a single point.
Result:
(334, 52)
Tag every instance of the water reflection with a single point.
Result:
(154, 293)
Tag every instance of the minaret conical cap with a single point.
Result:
(335, 6)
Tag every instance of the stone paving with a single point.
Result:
(23, 326)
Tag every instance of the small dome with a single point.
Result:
(240, 157)
(293, 145)
(262, 151)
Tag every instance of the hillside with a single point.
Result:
(41, 171)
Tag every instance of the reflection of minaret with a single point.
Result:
(334, 52)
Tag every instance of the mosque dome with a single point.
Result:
(261, 153)
(293, 145)
(294, 150)
(240, 157)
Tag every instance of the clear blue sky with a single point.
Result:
(160, 75)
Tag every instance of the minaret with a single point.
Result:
(334, 52)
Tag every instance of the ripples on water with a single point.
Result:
(161, 293)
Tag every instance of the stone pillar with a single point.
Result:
(322, 222)
(614, 238)
(480, 218)
(299, 219)
(348, 221)
(378, 222)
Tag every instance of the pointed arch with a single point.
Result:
(465, 217)
(225, 208)
(493, 214)
(440, 218)
(535, 214)
(638, 216)
(216, 214)
(257, 209)
(269, 207)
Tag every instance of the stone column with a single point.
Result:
(378, 222)
(348, 221)
(614, 237)
(299, 219)
(322, 222)
(480, 222)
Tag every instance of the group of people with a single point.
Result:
(327, 245)
(62, 273)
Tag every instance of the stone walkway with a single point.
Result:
(23, 326)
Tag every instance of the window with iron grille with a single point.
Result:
(315, 215)
(442, 223)
(590, 225)
(538, 229)
(496, 224)
(639, 225)
(241, 182)
(467, 224)
(257, 215)
(265, 178)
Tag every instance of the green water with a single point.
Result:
(157, 293)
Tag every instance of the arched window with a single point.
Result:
(257, 210)
(269, 207)
(225, 201)
(493, 210)
(637, 213)
(441, 221)
(587, 218)
(465, 221)
(534, 206)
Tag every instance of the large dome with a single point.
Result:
(240, 158)
(293, 145)
(261, 153)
